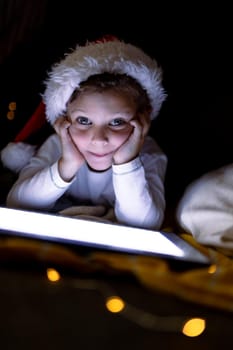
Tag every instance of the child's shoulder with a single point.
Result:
(51, 143)
(151, 146)
(53, 138)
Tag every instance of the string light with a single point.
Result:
(53, 275)
(11, 111)
(188, 326)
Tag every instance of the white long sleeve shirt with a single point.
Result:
(135, 190)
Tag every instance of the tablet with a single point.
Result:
(98, 235)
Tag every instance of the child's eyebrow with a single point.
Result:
(79, 110)
(126, 114)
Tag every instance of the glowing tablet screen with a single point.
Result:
(75, 231)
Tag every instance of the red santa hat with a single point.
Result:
(17, 154)
(105, 55)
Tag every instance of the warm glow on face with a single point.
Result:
(100, 125)
(194, 327)
(115, 304)
(53, 275)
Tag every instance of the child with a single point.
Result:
(100, 100)
(206, 208)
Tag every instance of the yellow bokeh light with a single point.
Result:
(194, 327)
(115, 304)
(53, 275)
(212, 268)
(10, 115)
(12, 106)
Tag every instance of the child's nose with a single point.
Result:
(99, 136)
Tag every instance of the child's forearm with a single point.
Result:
(137, 202)
(38, 191)
(150, 216)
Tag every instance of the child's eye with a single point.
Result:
(117, 122)
(83, 121)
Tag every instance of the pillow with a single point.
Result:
(206, 208)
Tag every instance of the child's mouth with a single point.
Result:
(99, 155)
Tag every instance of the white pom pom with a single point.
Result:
(16, 155)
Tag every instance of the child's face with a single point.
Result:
(100, 125)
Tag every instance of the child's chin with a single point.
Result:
(99, 168)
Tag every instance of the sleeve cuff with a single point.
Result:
(127, 167)
(56, 178)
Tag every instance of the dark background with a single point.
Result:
(191, 42)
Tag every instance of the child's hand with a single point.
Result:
(71, 158)
(131, 148)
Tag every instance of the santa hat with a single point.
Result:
(17, 154)
(105, 55)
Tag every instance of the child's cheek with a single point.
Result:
(75, 133)
(74, 130)
(125, 133)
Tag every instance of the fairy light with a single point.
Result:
(191, 327)
(212, 268)
(115, 304)
(194, 327)
(53, 275)
(11, 112)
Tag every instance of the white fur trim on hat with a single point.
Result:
(96, 58)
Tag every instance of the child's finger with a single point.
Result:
(145, 122)
(61, 124)
(137, 129)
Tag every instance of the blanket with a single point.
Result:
(96, 213)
